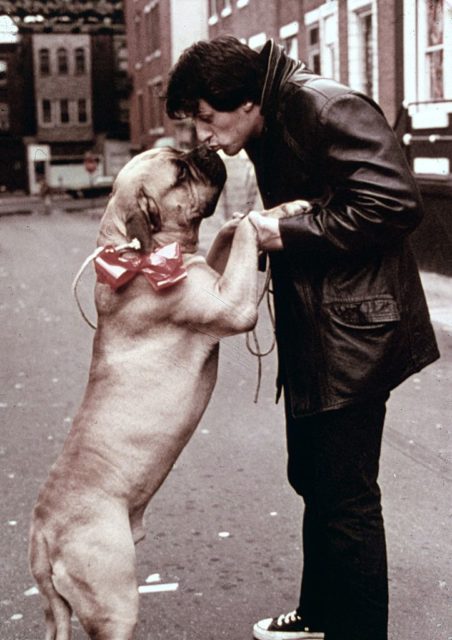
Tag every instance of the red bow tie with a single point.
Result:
(162, 268)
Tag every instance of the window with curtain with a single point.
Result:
(367, 51)
(434, 51)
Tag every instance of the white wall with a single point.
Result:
(188, 24)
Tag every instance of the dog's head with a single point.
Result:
(162, 195)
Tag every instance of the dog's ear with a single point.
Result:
(143, 221)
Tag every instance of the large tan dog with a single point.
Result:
(153, 370)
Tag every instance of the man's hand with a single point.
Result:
(268, 235)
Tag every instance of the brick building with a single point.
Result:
(157, 32)
(354, 41)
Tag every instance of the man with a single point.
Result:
(351, 317)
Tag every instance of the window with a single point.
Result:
(213, 11)
(322, 35)
(258, 40)
(330, 62)
(122, 58)
(138, 44)
(64, 111)
(291, 47)
(156, 105)
(314, 58)
(363, 47)
(289, 39)
(224, 7)
(3, 72)
(82, 112)
(428, 61)
(148, 29)
(46, 111)
(44, 62)
(367, 53)
(62, 61)
(4, 116)
(141, 112)
(80, 61)
(155, 30)
(434, 51)
(124, 111)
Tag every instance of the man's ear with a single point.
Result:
(143, 221)
(247, 106)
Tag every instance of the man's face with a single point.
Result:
(227, 130)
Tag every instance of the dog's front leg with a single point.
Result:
(237, 286)
(218, 254)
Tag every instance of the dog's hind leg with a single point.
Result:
(57, 610)
(57, 616)
(96, 573)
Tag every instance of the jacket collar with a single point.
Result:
(279, 68)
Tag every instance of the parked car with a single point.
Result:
(101, 186)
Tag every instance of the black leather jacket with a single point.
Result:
(351, 315)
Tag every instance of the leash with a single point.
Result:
(134, 244)
(256, 350)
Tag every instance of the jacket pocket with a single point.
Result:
(364, 344)
(363, 314)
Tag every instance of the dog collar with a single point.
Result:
(162, 268)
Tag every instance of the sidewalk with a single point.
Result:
(438, 291)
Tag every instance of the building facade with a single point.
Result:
(82, 95)
(64, 96)
(16, 109)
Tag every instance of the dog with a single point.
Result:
(153, 371)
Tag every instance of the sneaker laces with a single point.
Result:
(292, 616)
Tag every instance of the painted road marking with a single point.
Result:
(153, 588)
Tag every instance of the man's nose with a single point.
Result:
(203, 133)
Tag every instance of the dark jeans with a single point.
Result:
(333, 464)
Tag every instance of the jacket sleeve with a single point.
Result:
(374, 199)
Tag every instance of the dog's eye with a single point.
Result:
(182, 171)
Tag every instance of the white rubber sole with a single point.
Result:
(260, 632)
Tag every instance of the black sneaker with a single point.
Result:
(285, 627)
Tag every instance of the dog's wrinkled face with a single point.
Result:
(163, 194)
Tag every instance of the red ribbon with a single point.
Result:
(162, 268)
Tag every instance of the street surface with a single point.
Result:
(223, 530)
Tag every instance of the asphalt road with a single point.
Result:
(224, 528)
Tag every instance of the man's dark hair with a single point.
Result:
(224, 72)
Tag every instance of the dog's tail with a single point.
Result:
(57, 609)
